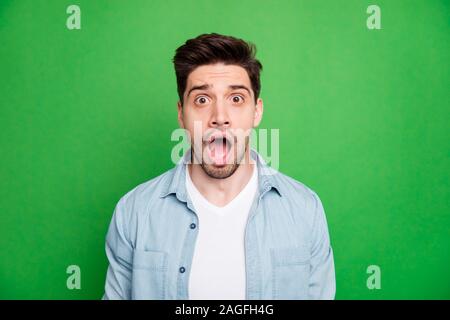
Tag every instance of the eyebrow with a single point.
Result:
(240, 86)
(207, 86)
(200, 87)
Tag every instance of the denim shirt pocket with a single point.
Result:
(290, 272)
(149, 274)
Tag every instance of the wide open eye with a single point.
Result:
(237, 99)
(201, 100)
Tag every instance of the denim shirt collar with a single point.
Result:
(176, 182)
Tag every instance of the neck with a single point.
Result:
(221, 191)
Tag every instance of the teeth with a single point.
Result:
(219, 140)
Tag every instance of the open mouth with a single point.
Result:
(218, 149)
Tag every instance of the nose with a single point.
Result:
(219, 117)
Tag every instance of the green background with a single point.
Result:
(87, 114)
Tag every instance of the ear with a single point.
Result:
(258, 112)
(180, 114)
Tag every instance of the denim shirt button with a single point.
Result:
(182, 270)
(193, 225)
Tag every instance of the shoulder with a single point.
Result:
(137, 199)
(132, 207)
(295, 189)
(303, 200)
(148, 190)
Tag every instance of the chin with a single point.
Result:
(219, 172)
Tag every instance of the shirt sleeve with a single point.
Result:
(119, 253)
(322, 283)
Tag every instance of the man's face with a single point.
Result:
(219, 112)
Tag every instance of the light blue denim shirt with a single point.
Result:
(151, 240)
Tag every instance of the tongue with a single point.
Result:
(218, 152)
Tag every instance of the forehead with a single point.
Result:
(218, 74)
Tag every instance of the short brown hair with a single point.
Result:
(215, 48)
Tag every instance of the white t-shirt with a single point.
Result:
(218, 266)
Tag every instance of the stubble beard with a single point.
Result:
(223, 171)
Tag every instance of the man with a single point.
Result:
(221, 224)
